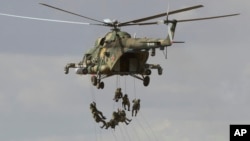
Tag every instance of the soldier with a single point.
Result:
(95, 110)
(117, 117)
(97, 115)
(122, 117)
(136, 106)
(98, 119)
(125, 101)
(118, 94)
(114, 121)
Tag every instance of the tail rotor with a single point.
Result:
(170, 35)
(169, 32)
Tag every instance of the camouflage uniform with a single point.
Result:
(125, 101)
(122, 117)
(117, 117)
(97, 115)
(114, 121)
(136, 106)
(118, 94)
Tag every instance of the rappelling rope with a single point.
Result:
(134, 89)
(93, 94)
(129, 138)
(98, 131)
(125, 85)
(123, 136)
(148, 125)
(144, 130)
(92, 91)
(94, 125)
(100, 134)
(114, 135)
(136, 133)
(118, 84)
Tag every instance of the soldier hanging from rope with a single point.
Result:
(97, 115)
(119, 116)
(118, 94)
(123, 118)
(125, 102)
(135, 107)
(114, 121)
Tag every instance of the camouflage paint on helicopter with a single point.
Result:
(117, 53)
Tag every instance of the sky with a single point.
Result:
(204, 87)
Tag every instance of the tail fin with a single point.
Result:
(171, 31)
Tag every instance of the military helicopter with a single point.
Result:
(117, 53)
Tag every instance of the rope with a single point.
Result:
(145, 121)
(136, 133)
(114, 135)
(96, 138)
(142, 128)
(118, 81)
(93, 94)
(134, 89)
(125, 83)
(100, 134)
(123, 136)
(129, 138)
(117, 105)
(92, 91)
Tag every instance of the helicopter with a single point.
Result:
(118, 53)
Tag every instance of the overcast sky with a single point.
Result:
(204, 88)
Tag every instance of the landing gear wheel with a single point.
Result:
(160, 71)
(94, 80)
(100, 85)
(146, 81)
(148, 72)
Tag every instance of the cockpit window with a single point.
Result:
(100, 41)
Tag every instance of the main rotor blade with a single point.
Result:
(71, 13)
(41, 19)
(148, 23)
(161, 15)
(186, 20)
(208, 18)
